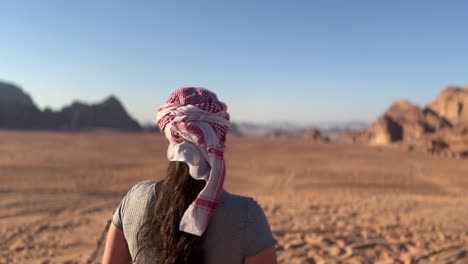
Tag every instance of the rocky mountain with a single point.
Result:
(108, 114)
(18, 111)
(438, 128)
(404, 121)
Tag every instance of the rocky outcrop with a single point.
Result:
(440, 128)
(452, 105)
(18, 111)
(403, 121)
(384, 131)
(449, 142)
(316, 136)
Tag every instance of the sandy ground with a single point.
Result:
(325, 203)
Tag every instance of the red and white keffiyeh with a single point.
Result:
(195, 123)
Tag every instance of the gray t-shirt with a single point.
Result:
(238, 227)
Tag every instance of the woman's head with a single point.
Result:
(200, 98)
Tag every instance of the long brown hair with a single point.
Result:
(159, 239)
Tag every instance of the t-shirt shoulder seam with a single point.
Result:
(132, 194)
(140, 186)
(117, 225)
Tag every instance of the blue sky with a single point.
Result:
(301, 61)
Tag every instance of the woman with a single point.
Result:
(188, 217)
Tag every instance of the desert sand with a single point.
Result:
(326, 203)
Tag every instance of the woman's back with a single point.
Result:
(188, 217)
(238, 227)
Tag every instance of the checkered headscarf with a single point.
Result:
(195, 123)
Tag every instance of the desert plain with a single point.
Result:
(326, 203)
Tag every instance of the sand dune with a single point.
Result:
(326, 203)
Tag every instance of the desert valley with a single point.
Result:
(326, 203)
(396, 192)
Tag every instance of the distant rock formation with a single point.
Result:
(282, 134)
(439, 128)
(293, 129)
(18, 111)
(314, 135)
(234, 130)
(108, 114)
(403, 121)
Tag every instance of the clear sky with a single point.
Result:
(300, 61)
